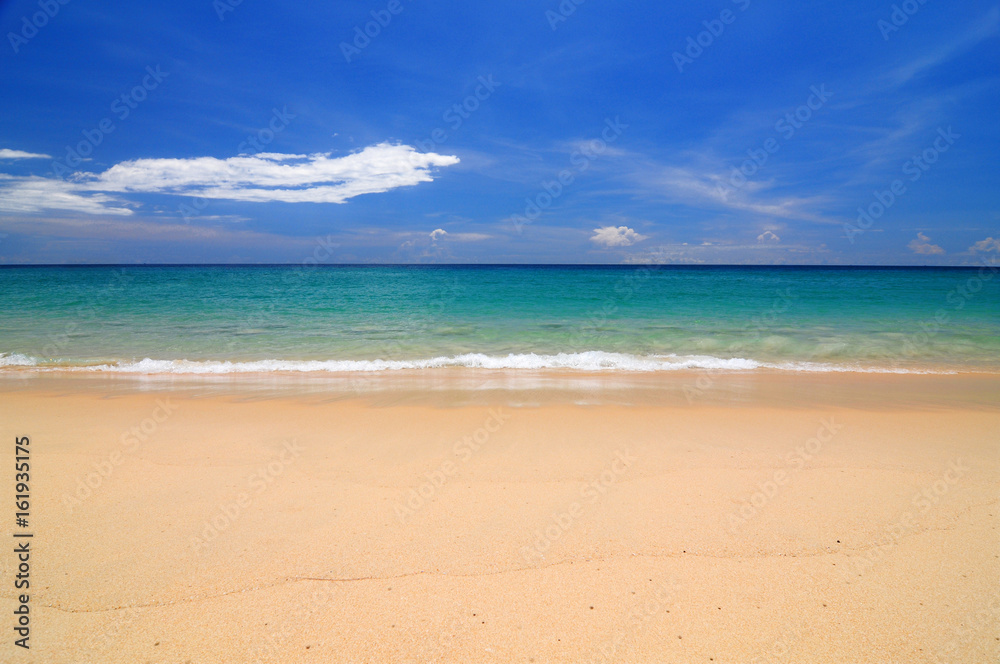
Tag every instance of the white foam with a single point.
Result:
(584, 361)
(16, 360)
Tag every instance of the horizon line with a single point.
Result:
(487, 265)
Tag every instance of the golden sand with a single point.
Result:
(207, 524)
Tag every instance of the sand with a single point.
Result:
(773, 521)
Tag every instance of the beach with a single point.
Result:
(688, 518)
(500, 333)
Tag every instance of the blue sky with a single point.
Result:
(733, 131)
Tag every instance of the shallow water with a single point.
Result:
(231, 319)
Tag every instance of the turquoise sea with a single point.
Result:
(230, 319)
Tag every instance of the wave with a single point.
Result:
(583, 361)
(16, 360)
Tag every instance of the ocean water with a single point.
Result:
(230, 319)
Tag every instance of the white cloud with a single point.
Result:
(21, 154)
(439, 233)
(981, 29)
(33, 193)
(316, 178)
(612, 236)
(694, 185)
(266, 177)
(768, 236)
(989, 244)
(730, 254)
(922, 245)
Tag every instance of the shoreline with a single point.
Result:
(462, 386)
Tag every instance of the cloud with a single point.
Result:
(316, 178)
(265, 177)
(439, 233)
(983, 28)
(768, 236)
(34, 193)
(694, 185)
(20, 154)
(730, 254)
(989, 244)
(612, 236)
(922, 245)
(469, 237)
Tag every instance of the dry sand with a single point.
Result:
(853, 525)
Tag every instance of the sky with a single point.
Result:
(397, 131)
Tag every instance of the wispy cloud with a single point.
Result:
(699, 186)
(470, 237)
(21, 154)
(33, 194)
(982, 29)
(439, 233)
(731, 253)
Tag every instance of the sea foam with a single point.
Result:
(16, 360)
(591, 361)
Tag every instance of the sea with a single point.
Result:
(364, 318)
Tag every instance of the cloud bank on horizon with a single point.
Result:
(497, 133)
